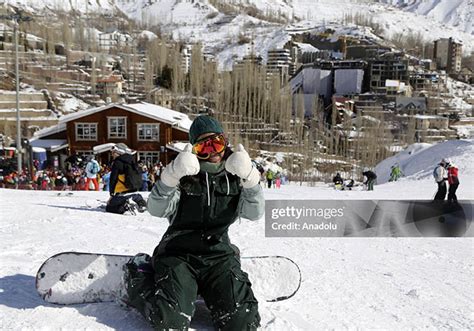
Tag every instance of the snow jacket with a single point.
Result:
(370, 175)
(92, 169)
(440, 174)
(337, 179)
(200, 211)
(121, 167)
(453, 175)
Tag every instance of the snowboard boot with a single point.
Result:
(138, 279)
(130, 207)
(141, 205)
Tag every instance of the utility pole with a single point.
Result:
(17, 17)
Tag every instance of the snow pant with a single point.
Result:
(165, 294)
(117, 204)
(452, 192)
(94, 181)
(269, 182)
(441, 194)
(370, 184)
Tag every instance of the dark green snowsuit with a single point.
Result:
(195, 255)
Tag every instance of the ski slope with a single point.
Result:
(391, 283)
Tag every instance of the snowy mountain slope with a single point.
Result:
(376, 283)
(432, 19)
(417, 161)
(457, 13)
(421, 17)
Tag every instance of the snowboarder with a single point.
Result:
(202, 192)
(441, 175)
(395, 173)
(371, 178)
(92, 169)
(338, 182)
(453, 181)
(125, 178)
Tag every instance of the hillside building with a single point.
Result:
(448, 54)
(280, 62)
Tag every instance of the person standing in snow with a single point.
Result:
(202, 192)
(269, 175)
(92, 169)
(441, 175)
(395, 173)
(371, 178)
(453, 181)
(106, 179)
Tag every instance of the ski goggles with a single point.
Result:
(210, 145)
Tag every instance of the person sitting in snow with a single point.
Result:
(125, 179)
(338, 182)
(441, 176)
(202, 192)
(349, 184)
(453, 181)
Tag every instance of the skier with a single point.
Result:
(396, 173)
(453, 181)
(371, 178)
(92, 169)
(338, 182)
(125, 178)
(441, 175)
(201, 193)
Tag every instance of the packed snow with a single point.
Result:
(391, 283)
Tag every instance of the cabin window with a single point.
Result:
(148, 132)
(86, 131)
(117, 127)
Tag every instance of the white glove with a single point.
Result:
(185, 164)
(240, 164)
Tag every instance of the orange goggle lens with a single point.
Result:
(209, 145)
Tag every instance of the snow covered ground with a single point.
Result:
(390, 283)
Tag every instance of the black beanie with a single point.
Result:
(203, 124)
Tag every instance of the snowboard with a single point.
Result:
(75, 278)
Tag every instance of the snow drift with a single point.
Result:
(417, 161)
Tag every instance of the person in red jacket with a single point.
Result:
(453, 182)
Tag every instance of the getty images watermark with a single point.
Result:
(367, 218)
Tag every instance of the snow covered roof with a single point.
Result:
(307, 48)
(148, 34)
(48, 131)
(162, 114)
(431, 117)
(392, 83)
(50, 144)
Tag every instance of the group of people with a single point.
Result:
(95, 173)
(446, 171)
(369, 180)
(273, 179)
(80, 174)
